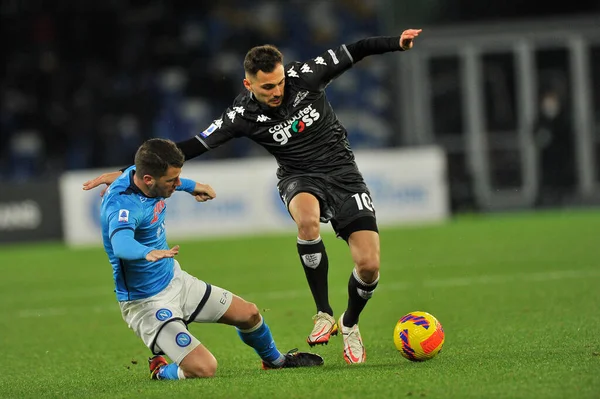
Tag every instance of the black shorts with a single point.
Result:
(347, 204)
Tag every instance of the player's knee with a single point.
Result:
(308, 227)
(206, 370)
(368, 265)
(253, 315)
(247, 316)
(201, 367)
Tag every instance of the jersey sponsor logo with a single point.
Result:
(123, 216)
(333, 57)
(303, 119)
(299, 97)
(163, 314)
(158, 208)
(183, 339)
(298, 126)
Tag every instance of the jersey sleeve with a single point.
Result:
(123, 214)
(187, 185)
(126, 247)
(317, 73)
(228, 126)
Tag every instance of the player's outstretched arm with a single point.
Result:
(105, 178)
(126, 247)
(407, 38)
(191, 148)
(382, 44)
(201, 192)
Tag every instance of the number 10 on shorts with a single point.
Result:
(363, 201)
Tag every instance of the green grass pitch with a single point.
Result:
(518, 296)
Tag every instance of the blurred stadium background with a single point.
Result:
(509, 91)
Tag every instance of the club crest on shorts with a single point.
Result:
(183, 339)
(292, 186)
(163, 314)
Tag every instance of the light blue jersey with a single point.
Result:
(125, 207)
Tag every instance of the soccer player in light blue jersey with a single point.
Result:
(157, 298)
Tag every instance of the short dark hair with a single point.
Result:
(155, 156)
(262, 58)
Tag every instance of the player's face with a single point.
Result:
(165, 185)
(267, 87)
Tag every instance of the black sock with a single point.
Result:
(358, 294)
(316, 267)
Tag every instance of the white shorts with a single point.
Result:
(186, 298)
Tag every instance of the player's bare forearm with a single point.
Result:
(105, 178)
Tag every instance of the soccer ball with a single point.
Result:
(418, 336)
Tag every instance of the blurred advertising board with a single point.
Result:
(407, 186)
(30, 211)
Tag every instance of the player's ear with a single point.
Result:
(247, 84)
(148, 180)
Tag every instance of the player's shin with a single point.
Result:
(359, 293)
(259, 337)
(176, 342)
(316, 267)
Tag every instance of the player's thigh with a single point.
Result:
(241, 314)
(305, 198)
(146, 317)
(305, 211)
(202, 302)
(304, 207)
